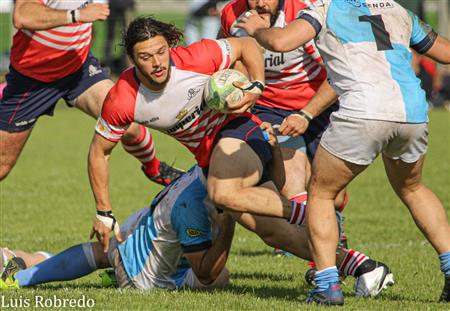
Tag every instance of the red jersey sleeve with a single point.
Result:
(118, 108)
(230, 14)
(205, 57)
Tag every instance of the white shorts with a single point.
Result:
(191, 280)
(127, 228)
(360, 141)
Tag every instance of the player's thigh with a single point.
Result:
(91, 100)
(233, 165)
(296, 170)
(11, 145)
(331, 174)
(403, 176)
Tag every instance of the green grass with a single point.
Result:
(46, 204)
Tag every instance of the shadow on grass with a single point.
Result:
(270, 292)
(261, 276)
(253, 253)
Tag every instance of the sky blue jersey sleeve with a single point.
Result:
(192, 225)
(422, 35)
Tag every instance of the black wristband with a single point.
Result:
(304, 115)
(259, 85)
(72, 13)
(106, 214)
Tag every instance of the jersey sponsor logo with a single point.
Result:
(94, 70)
(188, 118)
(192, 92)
(372, 5)
(193, 233)
(274, 60)
(23, 123)
(182, 114)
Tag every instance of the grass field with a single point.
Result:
(46, 204)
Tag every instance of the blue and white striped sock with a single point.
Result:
(445, 263)
(324, 278)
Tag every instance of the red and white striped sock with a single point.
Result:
(352, 261)
(345, 203)
(298, 212)
(143, 149)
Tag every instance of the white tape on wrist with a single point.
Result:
(109, 222)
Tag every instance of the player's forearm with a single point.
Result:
(324, 98)
(216, 257)
(35, 16)
(253, 60)
(98, 177)
(270, 39)
(440, 51)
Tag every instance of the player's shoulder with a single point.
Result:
(128, 84)
(203, 57)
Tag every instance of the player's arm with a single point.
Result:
(440, 50)
(286, 39)
(208, 264)
(33, 15)
(250, 54)
(98, 171)
(297, 123)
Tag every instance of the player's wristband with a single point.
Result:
(107, 218)
(256, 87)
(308, 117)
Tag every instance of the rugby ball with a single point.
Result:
(220, 89)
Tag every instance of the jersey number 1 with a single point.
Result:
(382, 37)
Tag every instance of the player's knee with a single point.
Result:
(101, 258)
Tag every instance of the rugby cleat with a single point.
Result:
(372, 277)
(166, 175)
(332, 296)
(7, 278)
(445, 296)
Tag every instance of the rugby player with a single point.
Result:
(50, 60)
(292, 80)
(164, 91)
(179, 241)
(382, 110)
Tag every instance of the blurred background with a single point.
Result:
(201, 19)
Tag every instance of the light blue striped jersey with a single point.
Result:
(179, 220)
(366, 46)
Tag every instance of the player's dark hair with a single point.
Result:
(146, 27)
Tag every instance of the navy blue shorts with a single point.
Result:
(245, 129)
(26, 99)
(315, 129)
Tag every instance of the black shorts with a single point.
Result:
(244, 128)
(26, 99)
(315, 129)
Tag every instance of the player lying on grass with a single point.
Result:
(180, 240)
(366, 47)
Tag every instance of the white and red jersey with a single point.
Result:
(292, 78)
(49, 55)
(179, 109)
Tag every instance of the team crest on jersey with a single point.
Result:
(193, 233)
(192, 92)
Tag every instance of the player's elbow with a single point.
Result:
(277, 44)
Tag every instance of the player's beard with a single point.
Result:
(158, 83)
(273, 15)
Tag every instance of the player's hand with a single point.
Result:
(94, 12)
(102, 227)
(269, 134)
(293, 125)
(252, 21)
(251, 90)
